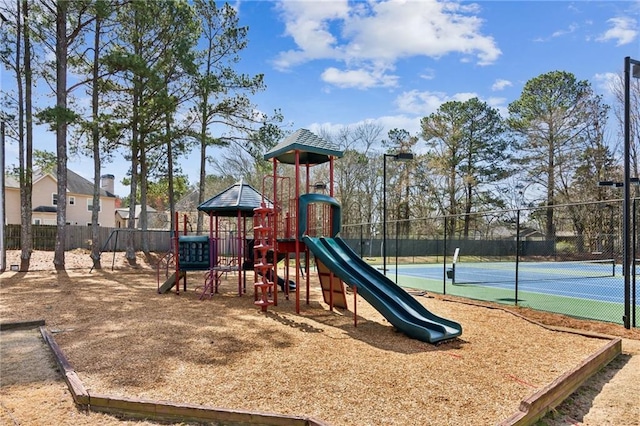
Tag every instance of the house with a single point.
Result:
(155, 219)
(45, 200)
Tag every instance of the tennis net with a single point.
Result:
(510, 272)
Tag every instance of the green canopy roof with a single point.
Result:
(312, 149)
(238, 197)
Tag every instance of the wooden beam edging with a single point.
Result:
(541, 402)
(19, 325)
(164, 411)
(77, 389)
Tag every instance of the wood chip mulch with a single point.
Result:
(124, 339)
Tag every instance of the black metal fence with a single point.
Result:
(514, 241)
(508, 238)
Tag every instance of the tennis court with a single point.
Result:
(593, 289)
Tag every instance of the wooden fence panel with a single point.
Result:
(77, 236)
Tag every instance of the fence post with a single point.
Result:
(517, 253)
(444, 258)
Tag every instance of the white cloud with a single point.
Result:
(359, 79)
(308, 23)
(559, 33)
(359, 34)
(572, 28)
(410, 124)
(606, 83)
(428, 74)
(501, 104)
(388, 122)
(397, 29)
(623, 30)
(425, 103)
(421, 104)
(501, 84)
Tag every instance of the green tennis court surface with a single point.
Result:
(576, 290)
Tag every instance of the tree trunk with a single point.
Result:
(144, 172)
(551, 182)
(467, 210)
(203, 159)
(25, 123)
(131, 224)
(95, 137)
(170, 176)
(61, 130)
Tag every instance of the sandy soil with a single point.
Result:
(124, 339)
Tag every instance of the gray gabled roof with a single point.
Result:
(240, 197)
(312, 149)
(76, 184)
(124, 211)
(46, 209)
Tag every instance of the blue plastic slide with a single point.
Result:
(401, 309)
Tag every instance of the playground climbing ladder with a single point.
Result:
(264, 243)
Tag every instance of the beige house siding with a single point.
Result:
(43, 191)
(79, 213)
(121, 222)
(12, 205)
(42, 195)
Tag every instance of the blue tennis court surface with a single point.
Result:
(598, 281)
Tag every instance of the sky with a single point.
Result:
(330, 64)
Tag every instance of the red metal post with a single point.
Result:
(355, 305)
(274, 231)
(297, 236)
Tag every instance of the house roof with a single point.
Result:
(46, 209)
(240, 197)
(312, 149)
(76, 184)
(124, 212)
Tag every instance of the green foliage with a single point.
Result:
(555, 118)
(44, 161)
(158, 191)
(468, 152)
(54, 116)
(222, 94)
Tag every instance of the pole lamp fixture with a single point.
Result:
(400, 156)
(611, 183)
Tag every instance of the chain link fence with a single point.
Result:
(565, 259)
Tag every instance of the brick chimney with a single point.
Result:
(107, 182)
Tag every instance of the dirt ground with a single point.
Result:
(124, 339)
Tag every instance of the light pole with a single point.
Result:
(400, 156)
(628, 250)
(626, 202)
(3, 249)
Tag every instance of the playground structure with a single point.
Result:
(299, 221)
(220, 252)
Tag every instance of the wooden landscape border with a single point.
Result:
(20, 325)
(536, 406)
(163, 411)
(531, 408)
